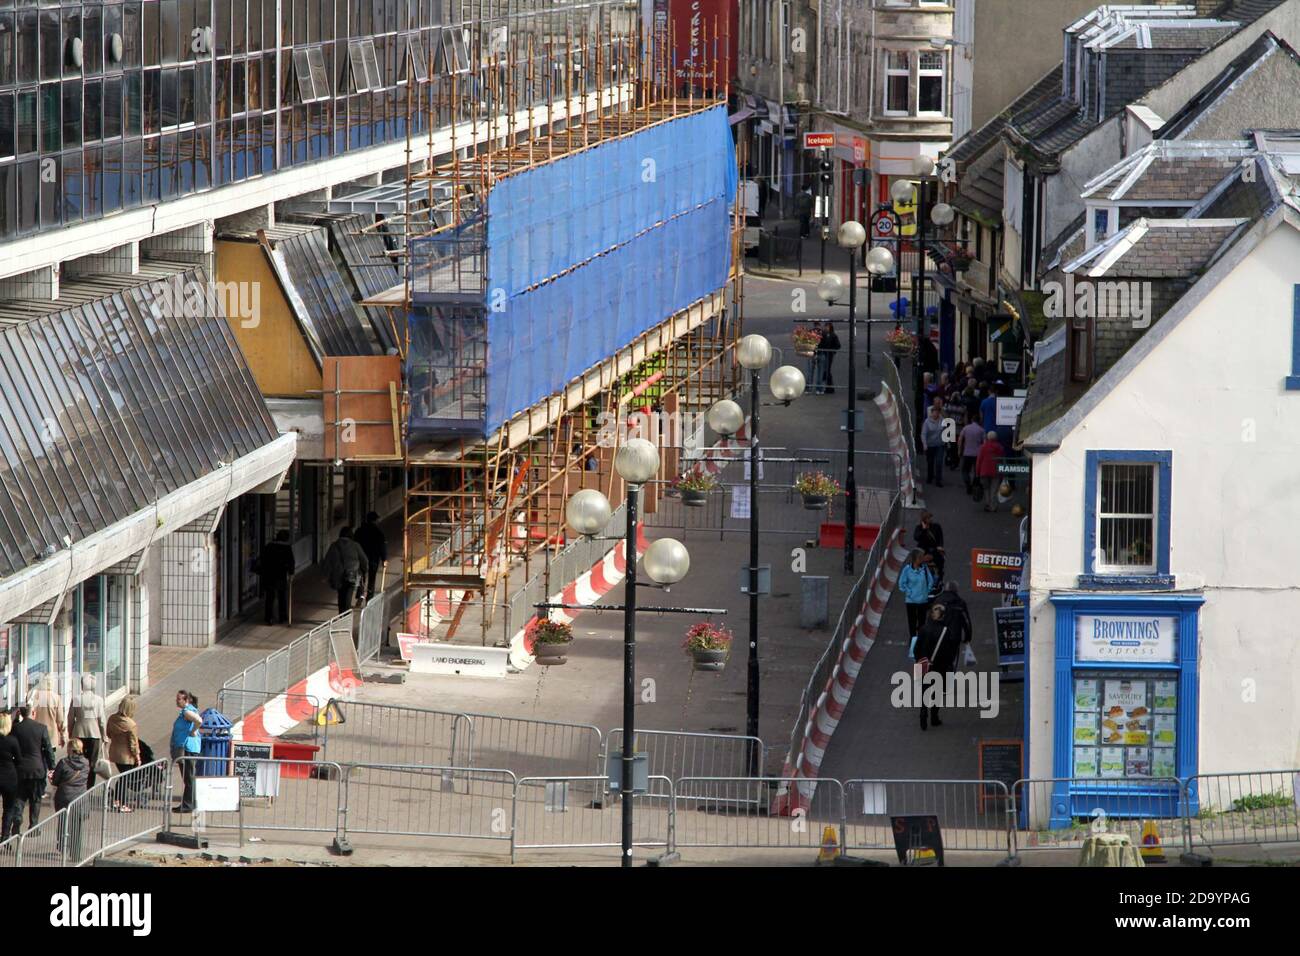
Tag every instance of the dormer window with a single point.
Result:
(1102, 223)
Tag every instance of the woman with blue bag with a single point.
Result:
(185, 742)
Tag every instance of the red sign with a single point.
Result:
(704, 41)
(818, 140)
(997, 571)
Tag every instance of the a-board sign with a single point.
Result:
(216, 794)
(256, 779)
(1009, 630)
(1001, 760)
(917, 832)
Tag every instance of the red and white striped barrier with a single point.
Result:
(591, 586)
(826, 713)
(281, 714)
(888, 405)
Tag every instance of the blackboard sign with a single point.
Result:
(917, 832)
(1009, 628)
(246, 755)
(1003, 761)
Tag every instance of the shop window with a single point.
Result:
(6, 690)
(115, 631)
(1125, 725)
(36, 653)
(1127, 516)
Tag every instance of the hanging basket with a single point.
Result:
(708, 660)
(816, 502)
(692, 498)
(551, 654)
(807, 351)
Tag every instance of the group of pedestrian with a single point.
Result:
(961, 430)
(93, 745)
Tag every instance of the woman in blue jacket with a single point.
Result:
(916, 582)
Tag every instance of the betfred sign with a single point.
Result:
(996, 571)
(818, 140)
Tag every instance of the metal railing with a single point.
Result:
(569, 811)
(296, 661)
(1226, 809)
(972, 814)
(370, 628)
(244, 702)
(390, 734)
(892, 374)
(678, 754)
(529, 746)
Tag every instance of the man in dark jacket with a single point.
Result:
(37, 763)
(938, 644)
(803, 207)
(374, 543)
(345, 564)
(928, 536)
(956, 613)
(274, 568)
(826, 349)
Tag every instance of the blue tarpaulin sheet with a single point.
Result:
(589, 251)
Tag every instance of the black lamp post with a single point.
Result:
(725, 417)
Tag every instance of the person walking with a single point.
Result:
(826, 349)
(968, 446)
(953, 410)
(928, 536)
(986, 470)
(275, 567)
(46, 707)
(374, 543)
(73, 776)
(185, 742)
(37, 763)
(915, 582)
(937, 645)
(803, 207)
(956, 613)
(124, 743)
(345, 566)
(11, 758)
(932, 442)
(86, 719)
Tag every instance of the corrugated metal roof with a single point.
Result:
(108, 401)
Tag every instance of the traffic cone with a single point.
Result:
(830, 846)
(1152, 851)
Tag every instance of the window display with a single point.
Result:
(1124, 725)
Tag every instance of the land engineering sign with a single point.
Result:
(995, 571)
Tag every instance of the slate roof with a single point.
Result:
(1266, 45)
(1168, 172)
(1159, 249)
(974, 143)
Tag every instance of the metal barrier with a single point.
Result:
(119, 810)
(41, 845)
(529, 747)
(678, 754)
(370, 628)
(392, 735)
(564, 812)
(296, 661)
(289, 796)
(1225, 809)
(732, 812)
(973, 814)
(892, 374)
(1060, 813)
(428, 802)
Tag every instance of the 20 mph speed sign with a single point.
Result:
(884, 225)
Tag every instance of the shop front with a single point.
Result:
(25, 656)
(1125, 703)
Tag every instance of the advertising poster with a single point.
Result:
(1166, 697)
(705, 34)
(1112, 762)
(1085, 728)
(1162, 762)
(995, 571)
(1085, 761)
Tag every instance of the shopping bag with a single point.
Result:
(911, 648)
(967, 655)
(920, 668)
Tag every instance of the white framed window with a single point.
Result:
(932, 83)
(309, 67)
(898, 80)
(1127, 498)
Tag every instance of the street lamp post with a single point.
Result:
(851, 237)
(667, 561)
(726, 418)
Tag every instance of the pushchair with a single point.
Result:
(145, 783)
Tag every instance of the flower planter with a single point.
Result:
(550, 654)
(807, 351)
(694, 499)
(815, 502)
(709, 660)
(902, 351)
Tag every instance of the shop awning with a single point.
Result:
(126, 411)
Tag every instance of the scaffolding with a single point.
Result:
(520, 88)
